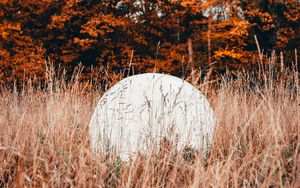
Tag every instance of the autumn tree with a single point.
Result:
(165, 27)
(171, 36)
(276, 24)
(22, 55)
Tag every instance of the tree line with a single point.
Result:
(168, 36)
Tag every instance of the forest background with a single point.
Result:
(171, 36)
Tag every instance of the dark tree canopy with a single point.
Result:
(151, 34)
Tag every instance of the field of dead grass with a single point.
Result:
(44, 140)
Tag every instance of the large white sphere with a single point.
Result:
(139, 111)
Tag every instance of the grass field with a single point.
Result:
(44, 139)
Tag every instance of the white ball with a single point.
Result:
(139, 111)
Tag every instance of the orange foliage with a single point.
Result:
(110, 35)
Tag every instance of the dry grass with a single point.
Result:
(44, 140)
